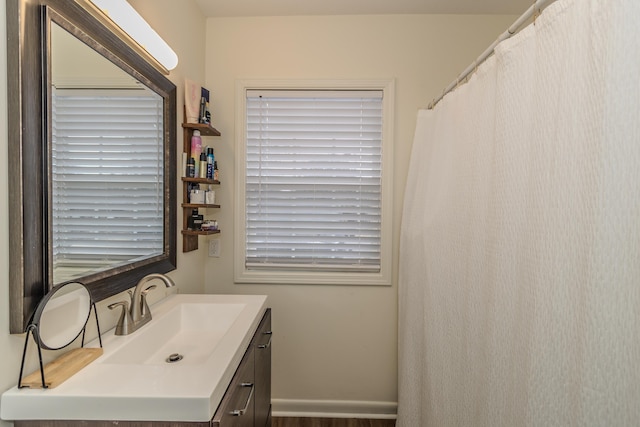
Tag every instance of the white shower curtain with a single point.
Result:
(519, 286)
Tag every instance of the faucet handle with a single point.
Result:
(123, 304)
(125, 324)
(144, 307)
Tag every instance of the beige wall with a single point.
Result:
(334, 342)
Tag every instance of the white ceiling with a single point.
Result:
(229, 8)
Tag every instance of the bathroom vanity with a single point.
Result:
(204, 360)
(247, 401)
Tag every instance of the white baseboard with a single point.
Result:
(334, 409)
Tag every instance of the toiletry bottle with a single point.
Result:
(196, 150)
(207, 113)
(191, 168)
(210, 160)
(190, 222)
(203, 165)
(215, 171)
(203, 103)
(197, 220)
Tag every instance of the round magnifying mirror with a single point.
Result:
(62, 315)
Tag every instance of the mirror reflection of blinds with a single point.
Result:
(313, 180)
(107, 176)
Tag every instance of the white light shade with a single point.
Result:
(127, 18)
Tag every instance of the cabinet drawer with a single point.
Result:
(262, 347)
(237, 406)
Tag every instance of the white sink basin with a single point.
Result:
(191, 330)
(132, 380)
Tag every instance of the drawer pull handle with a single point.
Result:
(268, 344)
(238, 412)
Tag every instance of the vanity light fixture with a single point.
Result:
(129, 20)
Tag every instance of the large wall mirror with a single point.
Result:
(92, 134)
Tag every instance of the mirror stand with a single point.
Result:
(33, 329)
(70, 297)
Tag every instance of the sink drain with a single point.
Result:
(175, 357)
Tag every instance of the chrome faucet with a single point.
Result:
(136, 313)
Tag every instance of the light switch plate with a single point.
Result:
(214, 248)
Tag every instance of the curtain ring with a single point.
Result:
(536, 12)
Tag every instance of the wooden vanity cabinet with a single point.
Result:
(237, 408)
(246, 403)
(262, 348)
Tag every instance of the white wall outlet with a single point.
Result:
(214, 248)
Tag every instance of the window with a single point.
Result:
(313, 188)
(93, 181)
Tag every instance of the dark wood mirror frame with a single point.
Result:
(28, 53)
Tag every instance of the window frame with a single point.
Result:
(381, 278)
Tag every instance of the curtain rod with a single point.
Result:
(534, 8)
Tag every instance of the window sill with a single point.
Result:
(312, 278)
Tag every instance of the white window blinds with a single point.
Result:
(107, 203)
(313, 180)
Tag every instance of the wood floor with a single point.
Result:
(330, 422)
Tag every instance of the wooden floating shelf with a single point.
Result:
(190, 237)
(204, 128)
(198, 205)
(200, 180)
(199, 232)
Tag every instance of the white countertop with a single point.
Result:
(117, 387)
